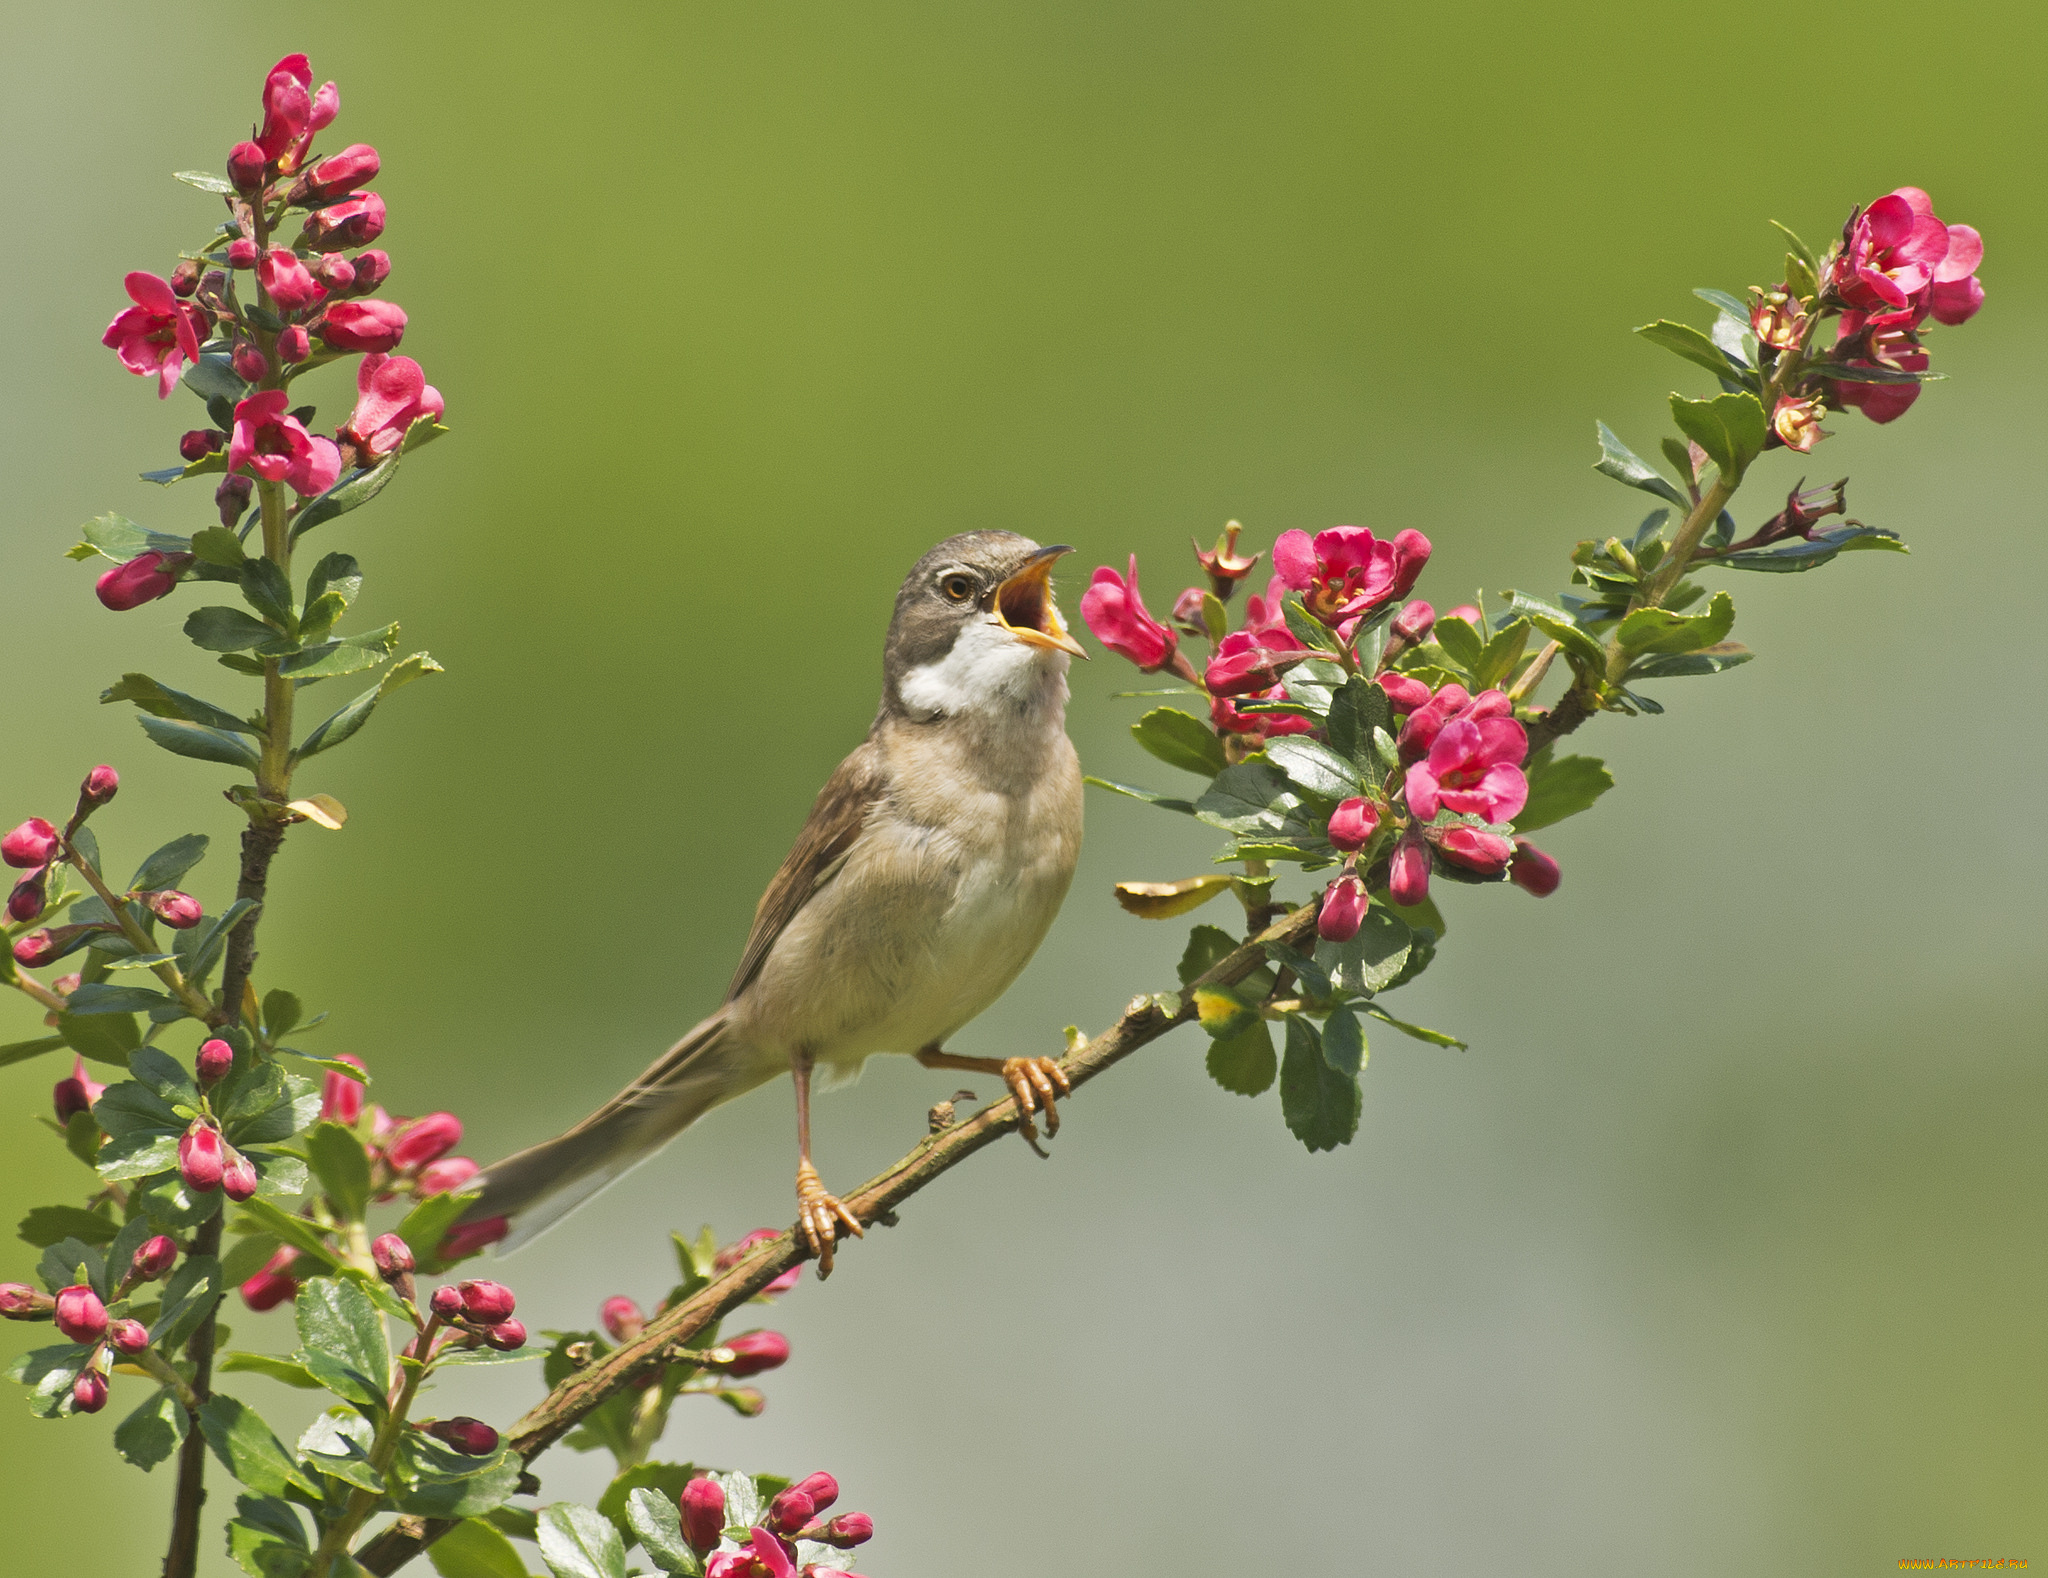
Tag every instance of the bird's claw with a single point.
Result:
(1035, 1081)
(819, 1217)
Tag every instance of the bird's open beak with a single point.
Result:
(1023, 605)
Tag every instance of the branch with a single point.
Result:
(669, 1334)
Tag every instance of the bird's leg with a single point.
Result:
(1034, 1081)
(818, 1215)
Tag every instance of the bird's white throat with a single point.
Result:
(988, 670)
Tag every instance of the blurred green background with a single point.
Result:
(1719, 1251)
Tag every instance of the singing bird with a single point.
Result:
(929, 871)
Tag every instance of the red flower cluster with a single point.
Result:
(768, 1549)
(1899, 264)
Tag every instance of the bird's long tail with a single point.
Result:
(539, 1186)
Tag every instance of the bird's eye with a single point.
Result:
(957, 587)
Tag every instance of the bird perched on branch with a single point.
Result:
(930, 869)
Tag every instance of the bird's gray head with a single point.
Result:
(976, 629)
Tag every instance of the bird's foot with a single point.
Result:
(1035, 1081)
(819, 1217)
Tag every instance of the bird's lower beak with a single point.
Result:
(1024, 606)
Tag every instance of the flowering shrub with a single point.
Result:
(1376, 745)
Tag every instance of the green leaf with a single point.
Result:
(1370, 961)
(1315, 980)
(52, 1224)
(105, 1038)
(22, 1051)
(1306, 628)
(163, 702)
(350, 492)
(1320, 1105)
(1208, 946)
(428, 1222)
(217, 629)
(473, 1549)
(49, 1373)
(1618, 461)
(1869, 373)
(1808, 555)
(1150, 797)
(119, 538)
(268, 592)
(1731, 428)
(96, 997)
(1726, 303)
(579, 1542)
(341, 1166)
(249, 1449)
(1694, 345)
(165, 1075)
(431, 1480)
(205, 180)
(1715, 659)
(267, 1540)
(1180, 739)
(217, 545)
(1497, 662)
(338, 574)
(193, 1290)
(152, 1433)
(337, 1444)
(200, 743)
(1561, 788)
(1224, 1011)
(1576, 643)
(288, 1371)
(1660, 630)
(199, 948)
(664, 1480)
(166, 865)
(1314, 767)
(333, 730)
(651, 1518)
(1435, 1038)
(1246, 1062)
(282, 1011)
(1355, 711)
(1800, 249)
(348, 655)
(293, 1230)
(69, 1262)
(1344, 1042)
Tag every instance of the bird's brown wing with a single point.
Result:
(835, 822)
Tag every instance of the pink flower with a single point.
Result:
(353, 222)
(392, 1256)
(702, 1505)
(243, 253)
(821, 1487)
(1474, 767)
(341, 173)
(1346, 572)
(1265, 725)
(341, 1098)
(1187, 611)
(423, 1140)
(1224, 565)
(1408, 870)
(372, 269)
(1408, 695)
(1343, 911)
(1880, 339)
(446, 1176)
(471, 1238)
(1473, 848)
(364, 325)
(1423, 725)
(622, 1319)
(249, 364)
(1466, 612)
(733, 1254)
(128, 1336)
(1249, 660)
(1415, 621)
(38, 947)
(159, 334)
(30, 844)
(790, 1510)
(80, 1314)
(335, 272)
(89, 1392)
(154, 1259)
(764, 1559)
(1116, 614)
(287, 106)
(76, 1094)
(271, 1286)
(1532, 870)
(1353, 823)
(277, 448)
(238, 1178)
(143, 579)
(391, 394)
(288, 281)
(1777, 319)
(201, 1157)
(1797, 423)
(1893, 249)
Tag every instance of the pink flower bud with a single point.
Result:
(1113, 610)
(733, 1254)
(422, 1140)
(790, 1511)
(1353, 823)
(1408, 874)
(446, 1303)
(821, 1487)
(355, 222)
(446, 1176)
(154, 1259)
(245, 167)
(1473, 848)
(1532, 870)
(487, 1303)
(340, 173)
(1407, 694)
(469, 1238)
(201, 1161)
(179, 911)
(293, 343)
(38, 947)
(335, 272)
(623, 1320)
(364, 325)
(89, 1392)
(287, 107)
(143, 579)
(1249, 660)
(75, 1094)
(80, 1314)
(198, 444)
(848, 1530)
(470, 1437)
(25, 902)
(271, 1287)
(508, 1336)
(341, 1098)
(21, 1302)
(185, 279)
(238, 1178)
(702, 1505)
(100, 786)
(242, 253)
(216, 1057)
(128, 1336)
(1187, 612)
(231, 498)
(392, 1256)
(1415, 622)
(1343, 911)
(284, 277)
(249, 363)
(31, 844)
(372, 269)
(755, 1351)
(326, 105)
